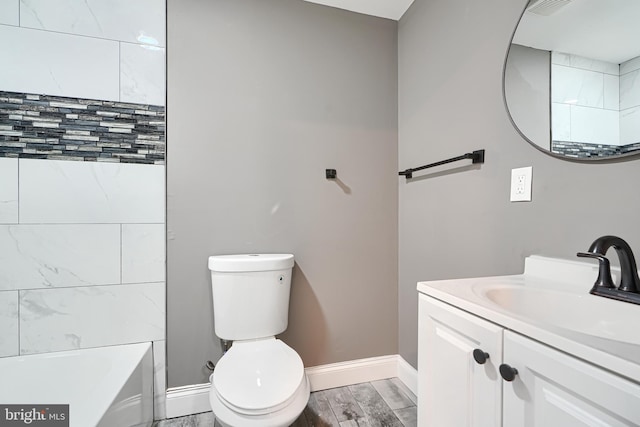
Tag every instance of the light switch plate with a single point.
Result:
(521, 184)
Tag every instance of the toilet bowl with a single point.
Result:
(260, 380)
(259, 383)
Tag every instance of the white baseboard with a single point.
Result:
(351, 372)
(408, 375)
(193, 399)
(188, 400)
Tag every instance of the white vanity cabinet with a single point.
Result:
(455, 390)
(551, 388)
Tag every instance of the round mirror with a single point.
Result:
(572, 77)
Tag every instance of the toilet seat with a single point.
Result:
(257, 377)
(284, 417)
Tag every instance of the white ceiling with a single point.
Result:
(608, 30)
(390, 9)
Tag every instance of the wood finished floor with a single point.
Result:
(384, 403)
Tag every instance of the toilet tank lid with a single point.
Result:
(250, 262)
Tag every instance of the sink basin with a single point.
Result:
(582, 313)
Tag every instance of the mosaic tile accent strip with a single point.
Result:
(587, 151)
(631, 147)
(60, 128)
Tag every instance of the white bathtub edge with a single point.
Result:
(134, 403)
(99, 384)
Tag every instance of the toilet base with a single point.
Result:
(281, 418)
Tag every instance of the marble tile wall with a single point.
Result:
(630, 101)
(594, 103)
(595, 125)
(96, 49)
(143, 253)
(10, 12)
(574, 86)
(139, 21)
(111, 192)
(583, 63)
(82, 246)
(139, 80)
(630, 126)
(8, 323)
(92, 316)
(46, 62)
(630, 65)
(82, 255)
(8, 191)
(58, 256)
(585, 96)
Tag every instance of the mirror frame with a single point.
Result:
(609, 159)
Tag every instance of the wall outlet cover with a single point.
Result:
(521, 184)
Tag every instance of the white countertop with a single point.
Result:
(568, 278)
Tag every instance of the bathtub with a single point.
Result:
(106, 386)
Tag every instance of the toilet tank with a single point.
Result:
(250, 294)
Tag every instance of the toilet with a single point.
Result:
(259, 381)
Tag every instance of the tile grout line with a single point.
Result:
(404, 389)
(19, 322)
(120, 248)
(366, 417)
(400, 392)
(388, 406)
(54, 288)
(84, 36)
(364, 413)
(19, 291)
(18, 182)
(119, 71)
(392, 411)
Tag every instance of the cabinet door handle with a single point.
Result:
(507, 372)
(480, 356)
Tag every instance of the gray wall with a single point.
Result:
(527, 90)
(451, 225)
(262, 98)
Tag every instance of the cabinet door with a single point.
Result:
(553, 389)
(453, 389)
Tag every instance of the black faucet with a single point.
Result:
(629, 289)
